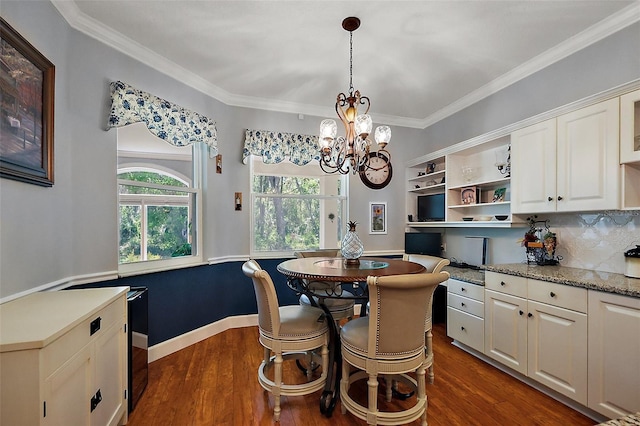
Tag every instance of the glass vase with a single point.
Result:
(351, 247)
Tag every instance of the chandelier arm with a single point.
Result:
(361, 101)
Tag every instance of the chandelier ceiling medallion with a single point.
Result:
(352, 152)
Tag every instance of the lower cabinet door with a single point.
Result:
(557, 349)
(110, 362)
(465, 328)
(505, 330)
(614, 354)
(67, 392)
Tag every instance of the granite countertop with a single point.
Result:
(630, 420)
(469, 275)
(595, 280)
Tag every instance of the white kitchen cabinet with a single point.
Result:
(533, 159)
(63, 358)
(614, 354)
(557, 344)
(584, 173)
(630, 127)
(465, 313)
(506, 330)
(538, 329)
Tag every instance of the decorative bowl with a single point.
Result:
(485, 218)
(502, 216)
(467, 219)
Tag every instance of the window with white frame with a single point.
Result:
(158, 202)
(295, 207)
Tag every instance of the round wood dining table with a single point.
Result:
(302, 271)
(338, 270)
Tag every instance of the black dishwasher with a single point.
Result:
(137, 335)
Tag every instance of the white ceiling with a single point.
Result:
(418, 61)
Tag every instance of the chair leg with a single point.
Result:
(344, 382)
(277, 380)
(309, 359)
(422, 394)
(372, 384)
(430, 354)
(389, 387)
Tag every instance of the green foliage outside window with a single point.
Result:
(286, 223)
(167, 224)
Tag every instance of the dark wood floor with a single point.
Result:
(214, 382)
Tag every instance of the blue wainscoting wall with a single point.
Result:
(184, 300)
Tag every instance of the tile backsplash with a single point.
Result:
(595, 240)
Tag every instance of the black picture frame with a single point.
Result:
(27, 84)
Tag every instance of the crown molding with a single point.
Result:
(95, 29)
(593, 34)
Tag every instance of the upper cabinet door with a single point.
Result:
(533, 168)
(630, 127)
(588, 168)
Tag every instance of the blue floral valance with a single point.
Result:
(168, 121)
(274, 147)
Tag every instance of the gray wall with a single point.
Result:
(69, 232)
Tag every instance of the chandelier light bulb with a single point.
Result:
(383, 135)
(328, 132)
(364, 125)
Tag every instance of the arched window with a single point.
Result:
(158, 202)
(154, 215)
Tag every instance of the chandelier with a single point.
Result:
(352, 151)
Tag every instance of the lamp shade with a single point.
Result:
(328, 132)
(364, 125)
(383, 135)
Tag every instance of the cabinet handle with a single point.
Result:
(521, 313)
(502, 283)
(559, 198)
(549, 198)
(462, 304)
(530, 315)
(462, 328)
(463, 289)
(94, 326)
(552, 294)
(95, 400)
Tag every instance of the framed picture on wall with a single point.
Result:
(377, 218)
(27, 99)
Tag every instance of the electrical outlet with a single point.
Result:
(444, 247)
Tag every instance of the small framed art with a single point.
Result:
(498, 195)
(469, 195)
(377, 218)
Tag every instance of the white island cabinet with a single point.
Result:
(63, 358)
(614, 354)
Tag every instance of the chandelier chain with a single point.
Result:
(350, 62)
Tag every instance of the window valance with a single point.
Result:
(274, 147)
(176, 125)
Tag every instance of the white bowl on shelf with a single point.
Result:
(485, 218)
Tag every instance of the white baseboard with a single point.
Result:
(180, 342)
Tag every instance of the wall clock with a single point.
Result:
(376, 179)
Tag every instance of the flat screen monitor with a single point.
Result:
(423, 243)
(431, 208)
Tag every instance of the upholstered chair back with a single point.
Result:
(432, 264)
(266, 297)
(318, 253)
(398, 313)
